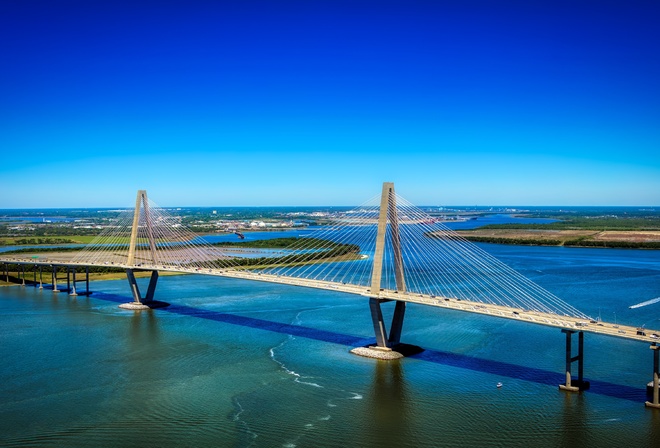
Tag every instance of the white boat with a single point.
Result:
(499, 385)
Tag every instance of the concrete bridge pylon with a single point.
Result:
(386, 343)
(142, 214)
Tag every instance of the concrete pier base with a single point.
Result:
(386, 353)
(139, 302)
(575, 386)
(143, 306)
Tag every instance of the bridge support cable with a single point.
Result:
(436, 260)
(418, 255)
(141, 202)
(478, 275)
(431, 260)
(572, 385)
(485, 279)
(150, 237)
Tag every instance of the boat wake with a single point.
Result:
(648, 302)
(297, 377)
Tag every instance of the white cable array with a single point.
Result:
(174, 246)
(436, 260)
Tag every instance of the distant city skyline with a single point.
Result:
(286, 103)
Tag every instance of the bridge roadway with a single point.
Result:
(518, 314)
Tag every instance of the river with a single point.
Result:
(237, 363)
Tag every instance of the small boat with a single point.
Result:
(240, 235)
(499, 385)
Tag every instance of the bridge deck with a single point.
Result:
(505, 312)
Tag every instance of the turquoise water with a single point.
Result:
(237, 363)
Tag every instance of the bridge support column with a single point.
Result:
(34, 277)
(87, 291)
(41, 279)
(139, 302)
(579, 384)
(656, 379)
(382, 341)
(54, 279)
(73, 289)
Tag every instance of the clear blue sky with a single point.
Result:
(317, 102)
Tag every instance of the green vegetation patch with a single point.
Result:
(40, 250)
(327, 251)
(587, 223)
(284, 243)
(574, 242)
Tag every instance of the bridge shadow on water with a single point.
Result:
(500, 368)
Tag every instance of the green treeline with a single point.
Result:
(516, 241)
(25, 241)
(275, 243)
(53, 230)
(12, 267)
(583, 223)
(578, 242)
(337, 250)
(40, 250)
(284, 243)
(621, 244)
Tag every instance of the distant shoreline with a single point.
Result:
(615, 239)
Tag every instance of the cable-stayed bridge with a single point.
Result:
(386, 250)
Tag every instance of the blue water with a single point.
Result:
(238, 363)
(265, 235)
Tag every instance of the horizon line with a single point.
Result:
(327, 205)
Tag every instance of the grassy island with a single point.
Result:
(622, 231)
(320, 251)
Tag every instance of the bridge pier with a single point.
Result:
(382, 340)
(87, 291)
(656, 379)
(72, 290)
(68, 279)
(579, 384)
(41, 280)
(54, 278)
(139, 302)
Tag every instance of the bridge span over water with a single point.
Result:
(386, 250)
